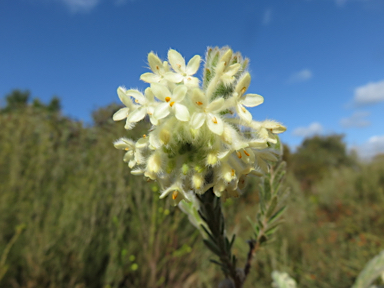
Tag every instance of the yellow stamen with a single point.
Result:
(233, 172)
(199, 103)
(175, 194)
(238, 154)
(243, 109)
(137, 101)
(214, 120)
(144, 136)
(167, 99)
(157, 67)
(243, 90)
(245, 152)
(179, 65)
(171, 104)
(126, 149)
(189, 78)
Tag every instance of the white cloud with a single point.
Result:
(267, 17)
(300, 76)
(356, 120)
(371, 93)
(374, 146)
(80, 5)
(313, 129)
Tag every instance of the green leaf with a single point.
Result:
(254, 226)
(212, 246)
(272, 230)
(232, 241)
(217, 263)
(215, 59)
(276, 216)
(263, 239)
(234, 260)
(271, 207)
(208, 233)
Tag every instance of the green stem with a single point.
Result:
(210, 212)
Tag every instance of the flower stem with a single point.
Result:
(217, 242)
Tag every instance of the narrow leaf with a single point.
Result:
(276, 216)
(271, 207)
(211, 246)
(232, 241)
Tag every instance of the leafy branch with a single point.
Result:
(268, 219)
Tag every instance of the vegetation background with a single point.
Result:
(83, 220)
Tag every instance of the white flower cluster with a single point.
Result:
(202, 136)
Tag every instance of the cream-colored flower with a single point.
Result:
(248, 100)
(146, 107)
(207, 113)
(123, 113)
(183, 73)
(268, 129)
(180, 153)
(158, 68)
(172, 102)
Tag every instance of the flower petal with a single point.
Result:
(198, 98)
(149, 95)
(150, 78)
(197, 120)
(252, 100)
(191, 81)
(215, 124)
(137, 115)
(142, 142)
(121, 114)
(179, 93)
(216, 105)
(232, 70)
(173, 77)
(137, 95)
(243, 84)
(123, 97)
(181, 112)
(154, 62)
(259, 144)
(177, 61)
(131, 164)
(128, 156)
(161, 111)
(124, 143)
(193, 65)
(160, 91)
(243, 113)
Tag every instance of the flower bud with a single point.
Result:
(154, 163)
(185, 169)
(211, 158)
(197, 181)
(165, 136)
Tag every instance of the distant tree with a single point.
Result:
(18, 100)
(317, 155)
(287, 154)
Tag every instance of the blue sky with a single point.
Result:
(318, 63)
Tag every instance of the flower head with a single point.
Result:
(196, 142)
